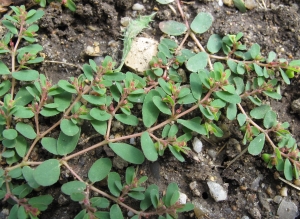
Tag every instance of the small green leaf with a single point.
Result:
(22, 190)
(172, 28)
(148, 147)
(26, 75)
(270, 119)
(154, 196)
(202, 22)
(28, 175)
(260, 111)
(288, 170)
(99, 202)
(4, 70)
(26, 130)
(99, 126)
(284, 76)
(196, 85)
(96, 100)
(197, 62)
(4, 87)
(257, 144)
(255, 51)
(127, 119)
(146, 203)
(10, 26)
(24, 112)
(67, 86)
(47, 173)
(99, 170)
(187, 207)
(239, 84)
(41, 202)
(129, 175)
(21, 146)
(50, 144)
(162, 106)
(228, 97)
(67, 144)
(231, 111)
(36, 16)
(194, 125)
(240, 5)
(100, 115)
(176, 153)
(112, 179)
(68, 127)
(214, 43)
(241, 119)
(273, 95)
(171, 189)
(10, 134)
(115, 212)
(73, 187)
(149, 111)
(128, 152)
(272, 55)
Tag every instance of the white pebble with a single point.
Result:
(217, 191)
(138, 7)
(197, 145)
(182, 198)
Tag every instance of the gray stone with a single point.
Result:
(287, 210)
(296, 106)
(217, 191)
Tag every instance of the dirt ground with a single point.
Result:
(251, 186)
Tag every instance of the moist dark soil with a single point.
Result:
(65, 35)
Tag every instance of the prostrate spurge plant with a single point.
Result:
(101, 96)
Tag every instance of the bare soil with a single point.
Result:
(251, 186)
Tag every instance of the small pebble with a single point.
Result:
(125, 21)
(182, 198)
(217, 191)
(130, 213)
(283, 191)
(287, 210)
(197, 145)
(193, 185)
(138, 7)
(277, 199)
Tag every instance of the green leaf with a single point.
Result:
(148, 147)
(4, 69)
(13, 214)
(162, 106)
(214, 43)
(26, 75)
(68, 127)
(146, 203)
(50, 144)
(176, 153)
(165, 86)
(48, 112)
(26, 130)
(197, 62)
(128, 152)
(127, 119)
(10, 26)
(231, 111)
(129, 175)
(196, 85)
(73, 187)
(255, 51)
(257, 144)
(228, 97)
(272, 55)
(99, 202)
(41, 202)
(71, 5)
(67, 144)
(239, 84)
(113, 179)
(115, 212)
(149, 111)
(47, 173)
(202, 22)
(240, 5)
(63, 100)
(15, 173)
(28, 175)
(172, 28)
(241, 119)
(100, 115)
(260, 111)
(240, 68)
(4, 87)
(194, 125)
(67, 86)
(22, 190)
(273, 95)
(99, 126)
(288, 170)
(99, 170)
(188, 99)
(270, 119)
(9, 134)
(21, 146)
(154, 196)
(96, 100)
(187, 207)
(284, 76)
(171, 189)
(36, 16)
(232, 65)
(24, 112)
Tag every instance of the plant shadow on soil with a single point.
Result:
(65, 36)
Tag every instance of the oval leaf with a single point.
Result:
(257, 144)
(202, 22)
(128, 152)
(26, 75)
(197, 62)
(26, 130)
(66, 144)
(73, 187)
(148, 147)
(68, 127)
(173, 28)
(127, 119)
(99, 170)
(47, 173)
